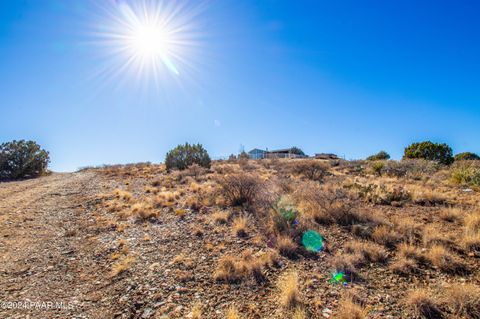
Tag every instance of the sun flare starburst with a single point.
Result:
(152, 39)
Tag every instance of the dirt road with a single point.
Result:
(42, 269)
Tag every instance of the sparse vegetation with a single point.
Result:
(289, 293)
(241, 188)
(464, 300)
(22, 159)
(239, 226)
(467, 156)
(349, 309)
(286, 246)
(310, 169)
(186, 155)
(380, 156)
(441, 153)
(234, 232)
(466, 173)
(423, 304)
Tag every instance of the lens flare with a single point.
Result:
(312, 241)
(153, 40)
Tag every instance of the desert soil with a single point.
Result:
(58, 247)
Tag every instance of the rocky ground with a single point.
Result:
(73, 246)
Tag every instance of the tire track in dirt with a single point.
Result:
(40, 260)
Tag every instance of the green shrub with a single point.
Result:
(382, 155)
(377, 167)
(22, 159)
(441, 153)
(466, 173)
(183, 156)
(466, 156)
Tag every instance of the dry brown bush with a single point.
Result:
(404, 266)
(423, 304)
(444, 260)
(346, 263)
(471, 243)
(411, 252)
(367, 252)
(220, 217)
(234, 270)
(407, 229)
(310, 169)
(286, 246)
(144, 211)
(386, 235)
(239, 189)
(451, 214)
(464, 299)
(229, 270)
(472, 223)
(432, 236)
(325, 205)
(124, 195)
(239, 226)
(349, 309)
(121, 266)
(232, 313)
(289, 293)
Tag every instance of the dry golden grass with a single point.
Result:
(464, 300)
(346, 263)
(121, 266)
(286, 247)
(407, 229)
(404, 266)
(232, 270)
(144, 211)
(367, 252)
(411, 252)
(124, 195)
(451, 214)
(271, 258)
(180, 212)
(443, 259)
(196, 311)
(349, 309)
(288, 288)
(433, 236)
(116, 255)
(193, 203)
(229, 270)
(472, 223)
(239, 226)
(423, 195)
(220, 217)
(299, 313)
(471, 243)
(423, 304)
(165, 199)
(232, 313)
(184, 260)
(386, 236)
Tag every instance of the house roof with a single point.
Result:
(257, 150)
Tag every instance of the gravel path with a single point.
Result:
(41, 245)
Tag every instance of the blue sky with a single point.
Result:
(349, 77)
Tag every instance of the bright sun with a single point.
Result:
(150, 41)
(152, 38)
